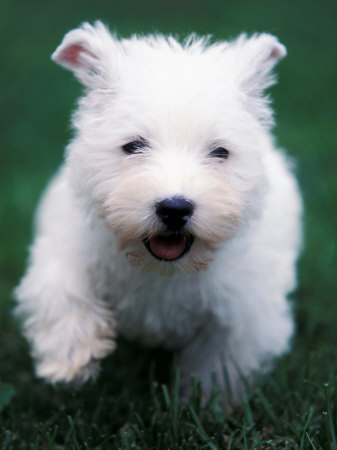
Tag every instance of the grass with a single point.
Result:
(134, 403)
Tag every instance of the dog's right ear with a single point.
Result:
(87, 52)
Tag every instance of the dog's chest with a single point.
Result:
(159, 311)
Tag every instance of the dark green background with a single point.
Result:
(36, 98)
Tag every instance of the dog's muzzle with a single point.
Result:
(174, 213)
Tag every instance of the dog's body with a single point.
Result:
(173, 221)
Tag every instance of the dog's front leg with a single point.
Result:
(213, 352)
(202, 357)
(69, 329)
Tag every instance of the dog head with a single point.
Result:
(170, 139)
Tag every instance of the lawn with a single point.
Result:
(134, 404)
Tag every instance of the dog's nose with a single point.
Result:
(174, 212)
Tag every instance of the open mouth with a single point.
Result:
(169, 247)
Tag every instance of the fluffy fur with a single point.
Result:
(90, 276)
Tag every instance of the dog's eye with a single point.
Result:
(135, 146)
(219, 152)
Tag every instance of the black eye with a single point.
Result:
(135, 146)
(219, 152)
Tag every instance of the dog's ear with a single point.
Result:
(87, 51)
(252, 61)
(257, 56)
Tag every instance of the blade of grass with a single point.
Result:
(267, 406)
(329, 417)
(310, 441)
(306, 425)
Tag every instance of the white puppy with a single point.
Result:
(173, 221)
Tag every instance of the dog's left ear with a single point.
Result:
(87, 52)
(253, 60)
(257, 56)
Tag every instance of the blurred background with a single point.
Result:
(37, 97)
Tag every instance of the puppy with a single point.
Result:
(174, 221)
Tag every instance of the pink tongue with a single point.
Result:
(168, 247)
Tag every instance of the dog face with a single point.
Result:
(169, 139)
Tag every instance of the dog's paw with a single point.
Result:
(89, 372)
(67, 372)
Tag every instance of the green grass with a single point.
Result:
(134, 403)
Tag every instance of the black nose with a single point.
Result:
(174, 212)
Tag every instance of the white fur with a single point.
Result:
(90, 276)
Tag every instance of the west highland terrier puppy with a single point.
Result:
(173, 221)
